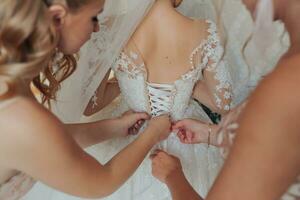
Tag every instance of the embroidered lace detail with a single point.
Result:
(16, 187)
(208, 55)
(129, 64)
(228, 127)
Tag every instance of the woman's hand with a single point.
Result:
(165, 167)
(191, 131)
(160, 126)
(130, 123)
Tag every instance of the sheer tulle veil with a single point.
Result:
(118, 21)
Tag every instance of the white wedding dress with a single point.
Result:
(200, 162)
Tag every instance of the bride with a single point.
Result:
(168, 60)
(161, 60)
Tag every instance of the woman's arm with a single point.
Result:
(107, 91)
(264, 159)
(168, 169)
(191, 131)
(39, 147)
(87, 134)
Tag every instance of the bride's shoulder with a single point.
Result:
(205, 27)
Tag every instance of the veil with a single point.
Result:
(252, 47)
(117, 23)
(258, 47)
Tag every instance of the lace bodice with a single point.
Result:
(174, 98)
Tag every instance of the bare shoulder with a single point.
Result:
(26, 125)
(26, 114)
(201, 28)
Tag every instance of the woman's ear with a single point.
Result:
(58, 14)
(176, 3)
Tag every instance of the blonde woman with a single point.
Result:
(34, 144)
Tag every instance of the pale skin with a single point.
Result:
(191, 131)
(161, 55)
(42, 147)
(264, 160)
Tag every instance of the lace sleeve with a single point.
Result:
(216, 74)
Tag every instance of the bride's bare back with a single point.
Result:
(166, 40)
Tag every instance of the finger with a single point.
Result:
(140, 116)
(135, 130)
(156, 151)
(180, 135)
(180, 124)
(152, 156)
(137, 126)
(162, 154)
(128, 112)
(189, 136)
(141, 122)
(130, 131)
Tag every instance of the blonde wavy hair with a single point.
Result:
(27, 46)
(27, 40)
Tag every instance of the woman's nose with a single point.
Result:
(96, 28)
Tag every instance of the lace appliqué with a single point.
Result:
(227, 131)
(16, 187)
(222, 75)
(208, 56)
(128, 64)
